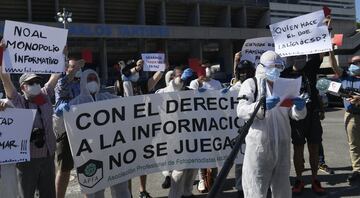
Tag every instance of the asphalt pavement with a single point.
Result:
(336, 154)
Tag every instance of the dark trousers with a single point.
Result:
(39, 174)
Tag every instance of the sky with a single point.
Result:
(357, 10)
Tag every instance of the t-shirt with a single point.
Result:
(209, 85)
(350, 82)
(309, 79)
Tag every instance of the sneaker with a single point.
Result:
(167, 182)
(316, 187)
(144, 194)
(201, 186)
(298, 187)
(354, 177)
(323, 167)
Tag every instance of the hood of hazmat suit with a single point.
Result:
(267, 154)
(85, 96)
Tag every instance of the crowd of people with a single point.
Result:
(266, 162)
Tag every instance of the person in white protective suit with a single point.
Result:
(89, 92)
(8, 177)
(181, 180)
(267, 154)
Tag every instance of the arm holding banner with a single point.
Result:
(237, 58)
(154, 80)
(334, 65)
(9, 87)
(51, 83)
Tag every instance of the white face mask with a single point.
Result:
(33, 90)
(92, 86)
(78, 74)
(207, 72)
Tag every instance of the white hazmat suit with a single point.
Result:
(267, 154)
(118, 190)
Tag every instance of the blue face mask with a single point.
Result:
(272, 74)
(354, 70)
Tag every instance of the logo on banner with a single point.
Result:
(90, 173)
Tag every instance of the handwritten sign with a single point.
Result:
(33, 48)
(15, 131)
(253, 48)
(306, 34)
(154, 62)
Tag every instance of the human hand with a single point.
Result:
(271, 102)
(3, 106)
(202, 90)
(187, 73)
(354, 100)
(59, 111)
(299, 103)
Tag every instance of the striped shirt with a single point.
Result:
(46, 123)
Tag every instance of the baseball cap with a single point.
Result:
(27, 77)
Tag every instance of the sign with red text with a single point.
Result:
(306, 34)
(115, 140)
(15, 131)
(154, 62)
(33, 48)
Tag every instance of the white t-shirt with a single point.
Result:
(209, 85)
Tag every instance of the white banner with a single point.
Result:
(306, 34)
(115, 140)
(154, 62)
(254, 48)
(15, 131)
(33, 48)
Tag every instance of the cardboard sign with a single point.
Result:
(254, 48)
(154, 62)
(33, 48)
(306, 34)
(15, 131)
(115, 140)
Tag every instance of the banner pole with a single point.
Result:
(229, 162)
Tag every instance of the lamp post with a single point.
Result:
(64, 17)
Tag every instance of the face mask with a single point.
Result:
(33, 90)
(78, 74)
(207, 72)
(354, 70)
(135, 77)
(272, 74)
(92, 86)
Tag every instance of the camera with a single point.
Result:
(38, 137)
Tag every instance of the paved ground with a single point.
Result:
(336, 153)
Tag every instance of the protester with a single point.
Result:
(133, 85)
(350, 79)
(89, 92)
(242, 71)
(267, 154)
(8, 179)
(309, 129)
(181, 180)
(39, 172)
(202, 83)
(67, 87)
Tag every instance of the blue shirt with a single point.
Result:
(65, 90)
(350, 82)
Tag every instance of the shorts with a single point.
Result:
(309, 129)
(64, 159)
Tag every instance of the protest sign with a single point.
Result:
(33, 48)
(115, 140)
(154, 62)
(254, 48)
(337, 40)
(306, 34)
(15, 130)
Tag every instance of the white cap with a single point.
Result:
(270, 58)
